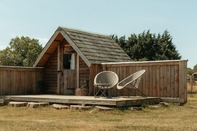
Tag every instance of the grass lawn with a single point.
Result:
(165, 118)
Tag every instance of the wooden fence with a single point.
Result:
(20, 80)
(165, 79)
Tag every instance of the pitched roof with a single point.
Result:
(92, 48)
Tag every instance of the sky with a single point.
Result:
(40, 18)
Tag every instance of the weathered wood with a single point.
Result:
(183, 81)
(161, 79)
(85, 107)
(36, 104)
(17, 104)
(94, 69)
(70, 79)
(80, 107)
(50, 74)
(84, 72)
(59, 71)
(77, 71)
(19, 80)
(86, 100)
(60, 106)
(172, 100)
(68, 49)
(74, 107)
(142, 63)
(61, 80)
(104, 108)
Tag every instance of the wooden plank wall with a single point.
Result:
(161, 79)
(50, 75)
(94, 69)
(84, 72)
(20, 80)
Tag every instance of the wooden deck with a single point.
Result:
(87, 100)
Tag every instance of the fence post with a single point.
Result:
(191, 83)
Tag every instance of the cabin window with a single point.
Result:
(69, 61)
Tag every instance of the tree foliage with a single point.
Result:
(195, 68)
(20, 52)
(191, 71)
(148, 46)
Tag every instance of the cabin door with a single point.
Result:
(69, 74)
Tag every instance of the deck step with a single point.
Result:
(59, 106)
(104, 108)
(36, 105)
(80, 107)
(17, 104)
(85, 107)
(74, 107)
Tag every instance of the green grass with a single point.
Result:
(165, 118)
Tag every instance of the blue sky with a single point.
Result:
(40, 18)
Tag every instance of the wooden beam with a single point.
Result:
(57, 40)
(77, 71)
(172, 100)
(58, 70)
(132, 63)
(183, 80)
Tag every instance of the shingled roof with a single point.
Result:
(92, 48)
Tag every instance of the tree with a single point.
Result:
(20, 52)
(148, 46)
(190, 71)
(195, 68)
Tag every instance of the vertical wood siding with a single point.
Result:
(94, 69)
(50, 75)
(20, 80)
(161, 79)
(84, 72)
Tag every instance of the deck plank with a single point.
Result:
(86, 100)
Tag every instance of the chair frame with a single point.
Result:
(132, 82)
(104, 86)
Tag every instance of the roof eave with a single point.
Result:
(75, 48)
(46, 48)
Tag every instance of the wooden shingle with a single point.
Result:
(93, 48)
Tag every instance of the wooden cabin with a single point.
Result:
(72, 58)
